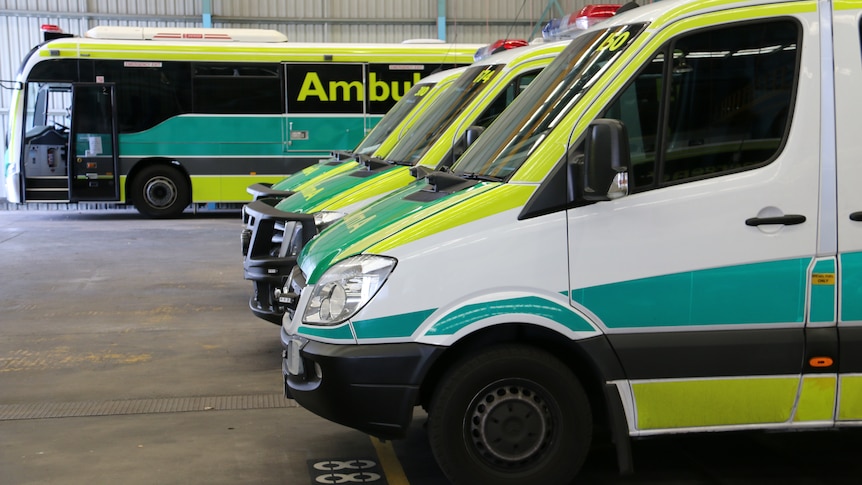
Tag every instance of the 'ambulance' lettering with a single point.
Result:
(380, 91)
(312, 87)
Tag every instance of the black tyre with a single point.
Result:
(160, 191)
(510, 415)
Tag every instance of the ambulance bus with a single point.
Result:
(163, 117)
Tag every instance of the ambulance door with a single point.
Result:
(698, 276)
(848, 74)
(94, 157)
(325, 107)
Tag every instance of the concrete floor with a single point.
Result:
(128, 355)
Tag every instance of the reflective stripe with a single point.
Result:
(817, 398)
(714, 402)
(850, 399)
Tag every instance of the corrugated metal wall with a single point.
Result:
(467, 21)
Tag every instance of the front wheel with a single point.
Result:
(510, 415)
(160, 191)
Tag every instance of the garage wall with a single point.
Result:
(468, 21)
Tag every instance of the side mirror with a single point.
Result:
(606, 160)
(472, 133)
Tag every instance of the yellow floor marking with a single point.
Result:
(389, 462)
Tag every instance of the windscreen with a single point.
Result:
(518, 131)
(393, 118)
(445, 109)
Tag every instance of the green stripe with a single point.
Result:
(394, 326)
(316, 173)
(531, 305)
(823, 296)
(364, 193)
(375, 223)
(759, 293)
(851, 286)
(192, 135)
(340, 332)
(327, 189)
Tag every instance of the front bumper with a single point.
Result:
(372, 388)
(264, 304)
(264, 263)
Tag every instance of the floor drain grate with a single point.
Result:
(42, 410)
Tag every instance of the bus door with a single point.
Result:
(325, 108)
(46, 142)
(94, 161)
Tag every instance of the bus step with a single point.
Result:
(47, 183)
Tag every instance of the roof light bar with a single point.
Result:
(572, 24)
(499, 46)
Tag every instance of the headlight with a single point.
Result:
(324, 218)
(345, 288)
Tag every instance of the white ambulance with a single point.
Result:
(662, 234)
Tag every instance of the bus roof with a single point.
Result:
(214, 51)
(185, 34)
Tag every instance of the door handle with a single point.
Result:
(856, 216)
(788, 220)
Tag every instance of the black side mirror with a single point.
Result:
(606, 160)
(472, 133)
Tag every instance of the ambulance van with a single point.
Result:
(378, 142)
(662, 235)
(276, 234)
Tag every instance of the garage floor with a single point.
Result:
(128, 355)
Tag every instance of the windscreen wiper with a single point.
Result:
(373, 163)
(479, 176)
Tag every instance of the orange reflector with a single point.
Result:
(252, 173)
(820, 362)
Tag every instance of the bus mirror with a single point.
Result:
(606, 161)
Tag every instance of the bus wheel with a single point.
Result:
(160, 191)
(512, 414)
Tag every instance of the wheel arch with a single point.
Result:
(591, 360)
(150, 162)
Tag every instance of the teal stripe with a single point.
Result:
(243, 135)
(340, 332)
(823, 296)
(395, 326)
(851, 286)
(772, 292)
(531, 305)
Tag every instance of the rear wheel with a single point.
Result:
(160, 191)
(513, 414)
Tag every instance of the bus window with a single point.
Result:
(237, 89)
(147, 92)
